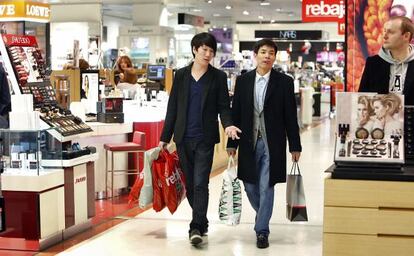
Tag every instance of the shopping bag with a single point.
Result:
(141, 191)
(146, 195)
(134, 194)
(171, 179)
(295, 196)
(230, 204)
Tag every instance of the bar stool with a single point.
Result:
(136, 146)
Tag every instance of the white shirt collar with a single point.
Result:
(266, 76)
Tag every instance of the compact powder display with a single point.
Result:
(364, 152)
(377, 133)
(381, 147)
(356, 141)
(374, 142)
(357, 146)
(361, 133)
(365, 142)
(355, 152)
(369, 147)
(374, 152)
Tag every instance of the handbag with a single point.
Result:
(230, 204)
(295, 196)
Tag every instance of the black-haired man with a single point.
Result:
(264, 108)
(199, 94)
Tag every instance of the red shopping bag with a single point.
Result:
(168, 172)
(136, 189)
(158, 202)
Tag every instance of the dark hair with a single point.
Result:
(83, 64)
(203, 39)
(263, 42)
(406, 25)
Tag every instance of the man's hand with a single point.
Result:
(231, 152)
(295, 156)
(162, 145)
(232, 131)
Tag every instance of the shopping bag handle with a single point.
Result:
(295, 166)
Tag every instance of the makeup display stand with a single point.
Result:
(48, 183)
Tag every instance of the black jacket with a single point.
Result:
(5, 102)
(376, 78)
(280, 121)
(215, 101)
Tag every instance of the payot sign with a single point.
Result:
(323, 10)
(24, 11)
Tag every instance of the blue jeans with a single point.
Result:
(261, 195)
(196, 158)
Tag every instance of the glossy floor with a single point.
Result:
(151, 233)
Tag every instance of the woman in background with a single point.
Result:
(364, 113)
(124, 63)
(386, 108)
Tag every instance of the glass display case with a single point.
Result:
(29, 151)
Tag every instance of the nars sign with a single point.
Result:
(289, 34)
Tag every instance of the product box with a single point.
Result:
(370, 128)
(111, 117)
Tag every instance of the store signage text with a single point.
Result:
(37, 11)
(22, 10)
(13, 40)
(7, 10)
(341, 28)
(289, 34)
(323, 11)
(81, 179)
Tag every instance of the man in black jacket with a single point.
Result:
(199, 94)
(392, 70)
(264, 108)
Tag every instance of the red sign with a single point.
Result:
(341, 28)
(15, 40)
(323, 10)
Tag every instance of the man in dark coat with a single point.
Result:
(264, 108)
(199, 94)
(392, 69)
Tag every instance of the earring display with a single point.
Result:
(373, 131)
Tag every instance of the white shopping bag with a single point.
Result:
(230, 204)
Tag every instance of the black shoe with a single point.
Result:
(195, 237)
(262, 241)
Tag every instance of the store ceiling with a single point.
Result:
(215, 12)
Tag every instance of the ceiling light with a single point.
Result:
(264, 3)
(214, 26)
(196, 10)
(290, 14)
(216, 14)
(245, 12)
(260, 17)
(209, 1)
(228, 7)
(278, 9)
(224, 28)
(272, 21)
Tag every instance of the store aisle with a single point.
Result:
(152, 233)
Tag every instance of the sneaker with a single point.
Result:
(195, 237)
(262, 241)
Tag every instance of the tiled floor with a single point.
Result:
(151, 233)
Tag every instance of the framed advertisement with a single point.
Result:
(90, 89)
(370, 128)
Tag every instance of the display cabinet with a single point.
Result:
(25, 151)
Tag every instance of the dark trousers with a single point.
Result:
(196, 158)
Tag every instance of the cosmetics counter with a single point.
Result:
(368, 192)
(48, 191)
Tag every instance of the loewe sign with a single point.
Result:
(24, 11)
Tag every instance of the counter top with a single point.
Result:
(406, 174)
(30, 181)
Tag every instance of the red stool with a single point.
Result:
(136, 146)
